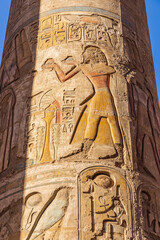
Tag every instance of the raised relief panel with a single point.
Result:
(104, 205)
(7, 102)
(98, 114)
(43, 216)
(96, 132)
(39, 214)
(150, 211)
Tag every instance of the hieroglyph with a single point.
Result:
(104, 208)
(7, 102)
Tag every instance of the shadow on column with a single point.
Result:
(17, 73)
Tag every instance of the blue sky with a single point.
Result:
(153, 13)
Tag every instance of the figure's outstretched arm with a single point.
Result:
(63, 76)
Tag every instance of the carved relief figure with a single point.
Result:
(100, 108)
(6, 127)
(9, 70)
(144, 113)
(43, 219)
(150, 212)
(103, 214)
(23, 51)
(134, 55)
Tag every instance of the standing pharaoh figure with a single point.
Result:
(100, 104)
(79, 123)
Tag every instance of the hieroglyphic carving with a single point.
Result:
(7, 102)
(23, 51)
(33, 30)
(68, 110)
(43, 217)
(74, 32)
(102, 35)
(53, 111)
(46, 23)
(50, 113)
(30, 137)
(90, 33)
(51, 138)
(113, 35)
(32, 201)
(40, 142)
(40, 216)
(145, 139)
(60, 31)
(104, 209)
(134, 55)
(150, 212)
(100, 111)
(17, 8)
(28, 129)
(9, 69)
(56, 30)
(45, 40)
(46, 35)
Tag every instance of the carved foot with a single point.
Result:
(101, 151)
(71, 150)
(119, 151)
(86, 146)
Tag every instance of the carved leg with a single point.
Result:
(115, 132)
(92, 126)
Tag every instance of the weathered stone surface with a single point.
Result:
(79, 123)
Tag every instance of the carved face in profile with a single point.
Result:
(103, 181)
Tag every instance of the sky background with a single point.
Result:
(153, 13)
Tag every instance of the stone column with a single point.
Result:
(79, 123)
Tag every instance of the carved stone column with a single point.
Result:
(79, 123)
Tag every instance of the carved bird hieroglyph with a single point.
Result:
(50, 215)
